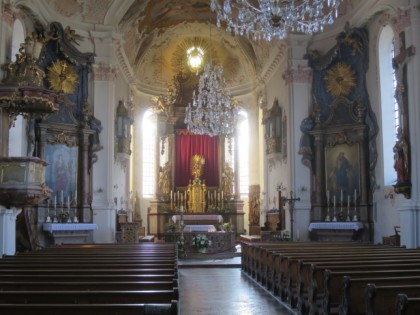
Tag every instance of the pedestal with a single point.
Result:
(8, 230)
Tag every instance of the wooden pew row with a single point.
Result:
(247, 264)
(99, 275)
(381, 299)
(407, 305)
(261, 260)
(354, 290)
(309, 283)
(86, 265)
(87, 277)
(89, 309)
(88, 297)
(87, 285)
(322, 293)
(289, 276)
(85, 271)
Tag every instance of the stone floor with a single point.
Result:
(215, 285)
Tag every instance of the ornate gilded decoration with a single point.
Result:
(165, 179)
(197, 165)
(340, 80)
(227, 182)
(62, 77)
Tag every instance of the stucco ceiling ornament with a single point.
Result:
(340, 80)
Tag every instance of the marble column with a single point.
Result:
(8, 230)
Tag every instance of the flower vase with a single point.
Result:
(202, 250)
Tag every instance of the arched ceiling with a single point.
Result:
(155, 32)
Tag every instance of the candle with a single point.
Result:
(341, 200)
(334, 201)
(75, 197)
(68, 202)
(62, 197)
(181, 209)
(328, 197)
(348, 201)
(355, 197)
(55, 202)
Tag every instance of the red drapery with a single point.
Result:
(186, 145)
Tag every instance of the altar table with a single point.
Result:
(199, 228)
(70, 233)
(199, 218)
(335, 231)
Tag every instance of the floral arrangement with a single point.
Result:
(200, 241)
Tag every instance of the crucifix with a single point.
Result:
(399, 64)
(281, 223)
(291, 202)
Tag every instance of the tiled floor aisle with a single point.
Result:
(224, 291)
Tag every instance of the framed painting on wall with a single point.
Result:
(342, 172)
(61, 173)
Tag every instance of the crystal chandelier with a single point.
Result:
(212, 112)
(275, 18)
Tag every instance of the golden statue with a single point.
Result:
(227, 181)
(165, 179)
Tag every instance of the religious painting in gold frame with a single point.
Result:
(342, 172)
(61, 173)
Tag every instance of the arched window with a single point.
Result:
(389, 107)
(148, 158)
(243, 152)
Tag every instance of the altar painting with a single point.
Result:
(342, 171)
(61, 173)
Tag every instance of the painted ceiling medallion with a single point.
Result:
(62, 77)
(340, 79)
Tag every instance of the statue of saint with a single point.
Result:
(401, 161)
(227, 181)
(165, 179)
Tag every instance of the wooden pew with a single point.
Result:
(407, 305)
(90, 309)
(87, 285)
(381, 299)
(88, 297)
(331, 297)
(353, 289)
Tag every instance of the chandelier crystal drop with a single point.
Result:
(273, 19)
(212, 111)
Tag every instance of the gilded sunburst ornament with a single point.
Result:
(340, 79)
(62, 77)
